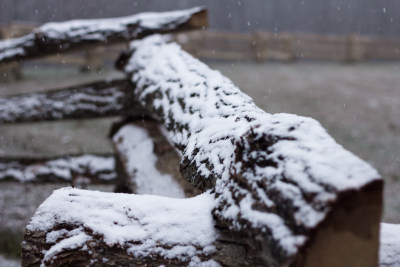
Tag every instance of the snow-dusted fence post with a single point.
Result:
(58, 37)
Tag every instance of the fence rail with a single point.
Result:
(277, 190)
(262, 46)
(258, 46)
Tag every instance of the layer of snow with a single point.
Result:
(66, 169)
(389, 254)
(311, 168)
(137, 148)
(145, 225)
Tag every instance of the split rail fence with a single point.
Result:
(265, 189)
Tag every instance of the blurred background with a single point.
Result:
(336, 61)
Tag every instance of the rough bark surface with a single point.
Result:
(99, 99)
(58, 37)
(277, 178)
(77, 169)
(166, 164)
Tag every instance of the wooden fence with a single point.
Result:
(258, 46)
(262, 46)
(269, 189)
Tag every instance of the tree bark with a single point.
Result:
(93, 100)
(280, 179)
(74, 169)
(59, 37)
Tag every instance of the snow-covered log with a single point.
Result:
(99, 99)
(78, 169)
(76, 227)
(280, 180)
(57, 37)
(146, 162)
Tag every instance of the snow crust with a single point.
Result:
(64, 168)
(389, 253)
(144, 225)
(137, 147)
(207, 115)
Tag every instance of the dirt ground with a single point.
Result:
(358, 104)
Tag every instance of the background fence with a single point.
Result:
(258, 46)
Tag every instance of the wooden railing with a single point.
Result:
(266, 189)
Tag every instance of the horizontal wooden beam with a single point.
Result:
(59, 37)
(93, 100)
(279, 179)
(73, 169)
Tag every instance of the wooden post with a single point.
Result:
(260, 46)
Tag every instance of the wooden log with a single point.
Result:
(93, 100)
(77, 227)
(147, 162)
(280, 180)
(74, 169)
(58, 37)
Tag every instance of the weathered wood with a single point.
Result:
(280, 179)
(147, 163)
(58, 37)
(84, 228)
(93, 100)
(74, 169)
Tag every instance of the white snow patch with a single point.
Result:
(137, 147)
(144, 224)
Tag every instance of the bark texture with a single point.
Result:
(75, 169)
(58, 37)
(93, 100)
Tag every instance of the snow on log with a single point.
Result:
(76, 227)
(279, 179)
(98, 99)
(146, 162)
(57, 37)
(79, 169)
(389, 254)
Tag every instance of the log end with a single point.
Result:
(350, 234)
(199, 19)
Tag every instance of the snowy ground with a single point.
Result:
(358, 104)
